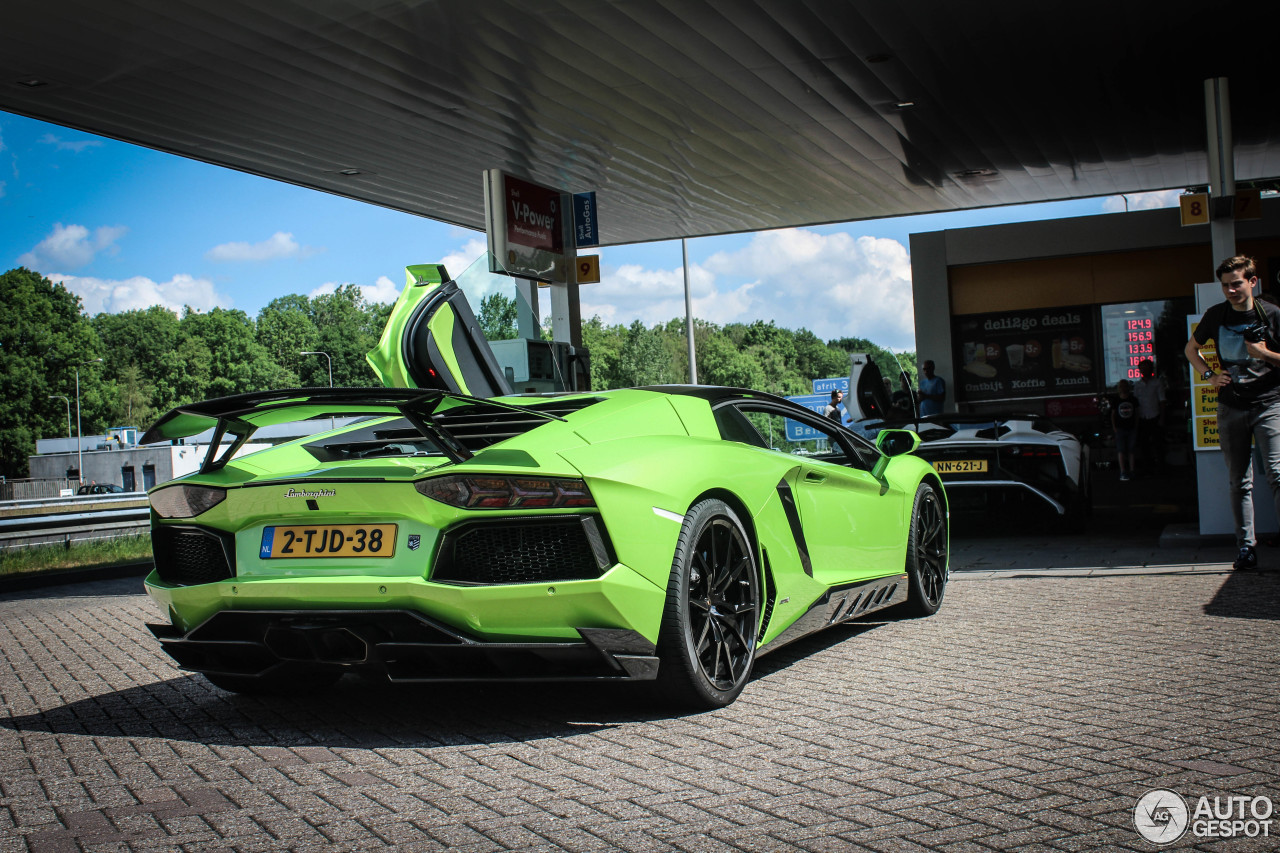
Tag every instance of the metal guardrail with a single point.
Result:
(35, 506)
(98, 520)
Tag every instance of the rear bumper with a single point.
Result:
(398, 645)
(498, 613)
(958, 487)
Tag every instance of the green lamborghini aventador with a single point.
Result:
(454, 531)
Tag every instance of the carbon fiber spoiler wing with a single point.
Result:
(240, 415)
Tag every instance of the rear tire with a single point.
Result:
(927, 568)
(711, 620)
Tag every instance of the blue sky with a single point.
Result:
(126, 227)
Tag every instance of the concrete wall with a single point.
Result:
(106, 466)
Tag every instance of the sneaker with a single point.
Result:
(1124, 478)
(1247, 559)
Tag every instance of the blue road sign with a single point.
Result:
(826, 386)
(797, 431)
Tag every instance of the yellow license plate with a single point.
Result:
(328, 540)
(960, 466)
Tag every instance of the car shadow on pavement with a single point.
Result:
(370, 715)
(1247, 595)
(805, 647)
(353, 713)
(107, 581)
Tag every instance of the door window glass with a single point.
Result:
(803, 434)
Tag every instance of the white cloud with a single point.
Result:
(279, 245)
(72, 246)
(1141, 201)
(632, 292)
(834, 285)
(384, 290)
(113, 296)
(67, 145)
(459, 261)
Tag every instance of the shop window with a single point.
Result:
(1135, 331)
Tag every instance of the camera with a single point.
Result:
(1255, 334)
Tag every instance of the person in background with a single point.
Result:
(1124, 420)
(933, 391)
(1246, 331)
(900, 400)
(833, 408)
(1151, 405)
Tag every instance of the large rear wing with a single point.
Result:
(241, 415)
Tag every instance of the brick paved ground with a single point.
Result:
(1029, 714)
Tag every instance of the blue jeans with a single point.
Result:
(1237, 430)
(1126, 440)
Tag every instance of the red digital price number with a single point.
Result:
(1139, 338)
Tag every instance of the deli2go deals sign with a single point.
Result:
(1045, 352)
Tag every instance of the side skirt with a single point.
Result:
(843, 604)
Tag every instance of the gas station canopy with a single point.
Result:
(687, 117)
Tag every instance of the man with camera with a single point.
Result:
(1247, 334)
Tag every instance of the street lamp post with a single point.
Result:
(79, 437)
(68, 402)
(330, 361)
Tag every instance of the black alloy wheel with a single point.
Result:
(927, 553)
(710, 625)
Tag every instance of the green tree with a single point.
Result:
(817, 360)
(44, 336)
(722, 362)
(237, 363)
(133, 397)
(642, 358)
(195, 361)
(347, 327)
(285, 329)
(145, 340)
(604, 343)
(152, 361)
(498, 321)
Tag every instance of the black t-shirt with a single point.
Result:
(1253, 381)
(1126, 412)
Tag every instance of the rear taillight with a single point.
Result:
(1034, 452)
(469, 491)
(185, 501)
(1033, 463)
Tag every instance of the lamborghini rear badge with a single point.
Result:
(414, 541)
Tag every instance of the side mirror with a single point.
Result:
(895, 442)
